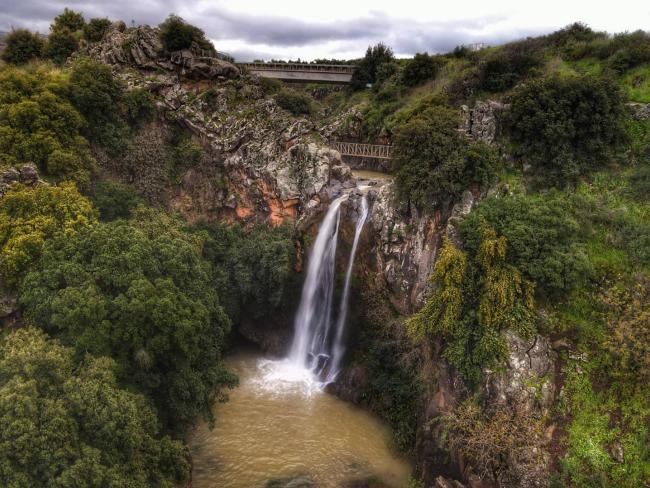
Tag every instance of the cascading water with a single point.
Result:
(318, 343)
(338, 348)
(315, 345)
(310, 343)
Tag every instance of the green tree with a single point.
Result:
(69, 425)
(22, 46)
(95, 29)
(566, 127)
(38, 125)
(139, 292)
(114, 200)
(68, 20)
(252, 267)
(176, 34)
(434, 163)
(98, 96)
(29, 217)
(366, 70)
(60, 45)
(543, 238)
(420, 69)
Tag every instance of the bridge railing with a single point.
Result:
(363, 150)
(329, 68)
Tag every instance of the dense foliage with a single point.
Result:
(252, 267)
(477, 297)
(420, 69)
(295, 102)
(566, 127)
(176, 34)
(140, 293)
(114, 200)
(434, 163)
(367, 69)
(22, 46)
(68, 424)
(95, 29)
(505, 67)
(39, 125)
(543, 238)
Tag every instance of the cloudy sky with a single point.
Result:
(307, 29)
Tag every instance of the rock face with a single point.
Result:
(26, 175)
(639, 111)
(481, 121)
(141, 47)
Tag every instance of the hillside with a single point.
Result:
(158, 206)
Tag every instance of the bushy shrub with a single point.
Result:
(98, 95)
(38, 125)
(543, 238)
(434, 163)
(566, 127)
(420, 69)
(294, 102)
(114, 200)
(478, 295)
(252, 267)
(70, 424)
(139, 292)
(95, 29)
(22, 46)
(509, 64)
(60, 45)
(140, 105)
(176, 34)
(366, 70)
(29, 217)
(68, 20)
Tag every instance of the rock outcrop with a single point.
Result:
(481, 121)
(26, 174)
(140, 47)
(639, 111)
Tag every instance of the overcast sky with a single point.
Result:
(344, 28)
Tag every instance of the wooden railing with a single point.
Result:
(379, 151)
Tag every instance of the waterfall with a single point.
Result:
(338, 348)
(310, 342)
(315, 345)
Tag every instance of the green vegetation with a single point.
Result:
(30, 217)
(295, 102)
(420, 69)
(125, 289)
(95, 29)
(67, 424)
(176, 34)
(22, 46)
(39, 125)
(370, 66)
(114, 200)
(252, 267)
(566, 127)
(434, 163)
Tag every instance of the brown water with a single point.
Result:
(362, 174)
(279, 423)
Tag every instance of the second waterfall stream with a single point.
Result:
(318, 344)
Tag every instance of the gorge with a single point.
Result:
(435, 276)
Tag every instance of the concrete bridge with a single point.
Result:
(380, 151)
(302, 73)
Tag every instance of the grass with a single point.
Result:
(637, 83)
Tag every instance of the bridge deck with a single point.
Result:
(318, 68)
(379, 151)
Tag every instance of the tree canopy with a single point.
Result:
(68, 424)
(22, 46)
(140, 293)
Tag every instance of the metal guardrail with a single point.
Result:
(379, 151)
(321, 68)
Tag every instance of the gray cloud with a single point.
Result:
(281, 34)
